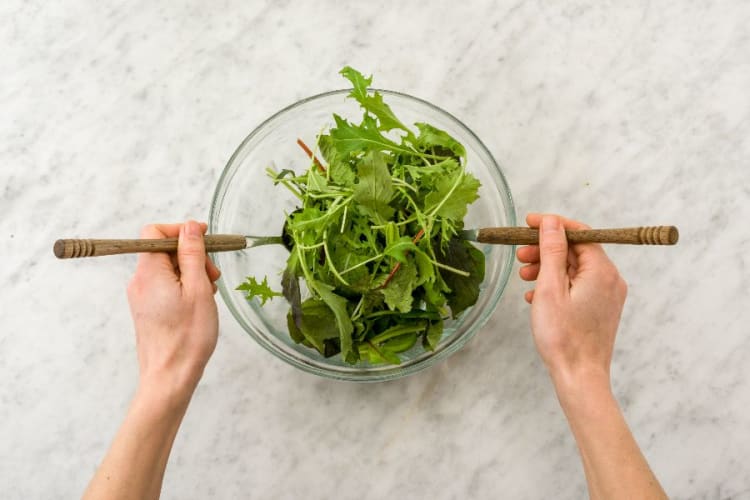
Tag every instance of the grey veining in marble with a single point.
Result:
(113, 115)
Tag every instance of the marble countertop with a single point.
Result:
(616, 113)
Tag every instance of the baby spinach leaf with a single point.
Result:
(398, 292)
(379, 354)
(464, 290)
(433, 334)
(317, 325)
(401, 343)
(337, 304)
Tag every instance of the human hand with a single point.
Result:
(575, 311)
(576, 305)
(174, 311)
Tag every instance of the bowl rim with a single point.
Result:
(353, 374)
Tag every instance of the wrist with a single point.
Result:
(583, 385)
(166, 391)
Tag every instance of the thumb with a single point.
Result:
(191, 256)
(553, 254)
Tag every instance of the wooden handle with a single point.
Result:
(651, 235)
(72, 248)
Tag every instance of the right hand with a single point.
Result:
(174, 311)
(576, 305)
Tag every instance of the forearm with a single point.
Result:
(135, 463)
(614, 465)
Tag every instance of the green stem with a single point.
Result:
(396, 331)
(363, 263)
(459, 178)
(358, 309)
(329, 260)
(402, 183)
(451, 269)
(293, 190)
(303, 265)
(402, 223)
(311, 247)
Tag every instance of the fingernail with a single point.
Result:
(192, 229)
(550, 223)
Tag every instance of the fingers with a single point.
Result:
(529, 272)
(212, 271)
(535, 220)
(192, 259)
(553, 255)
(162, 230)
(156, 264)
(528, 254)
(584, 255)
(553, 262)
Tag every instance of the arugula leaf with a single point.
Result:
(351, 257)
(316, 182)
(433, 138)
(327, 151)
(304, 219)
(375, 188)
(255, 289)
(452, 195)
(372, 103)
(400, 248)
(348, 138)
(341, 172)
(425, 267)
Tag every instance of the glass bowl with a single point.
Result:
(247, 202)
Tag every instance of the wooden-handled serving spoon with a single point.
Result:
(651, 235)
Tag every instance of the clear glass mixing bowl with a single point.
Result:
(247, 202)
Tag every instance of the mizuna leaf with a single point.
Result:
(252, 289)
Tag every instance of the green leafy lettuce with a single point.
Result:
(376, 236)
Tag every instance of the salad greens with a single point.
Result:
(376, 237)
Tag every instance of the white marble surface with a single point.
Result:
(114, 114)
